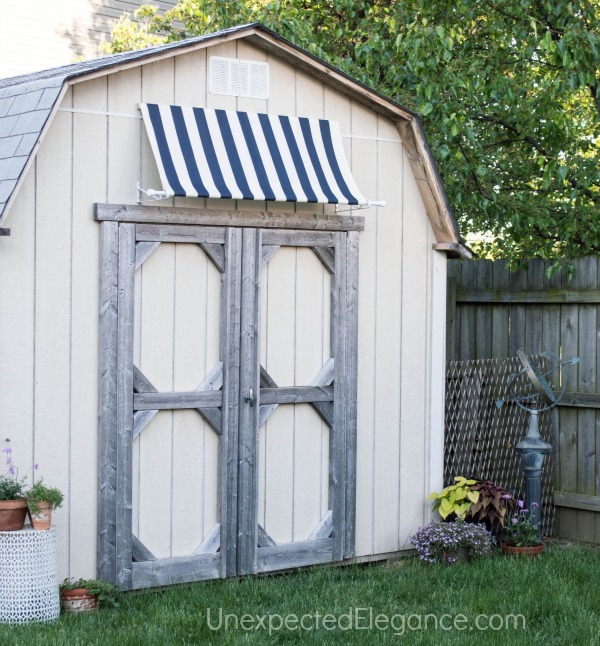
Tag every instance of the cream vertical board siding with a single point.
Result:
(123, 173)
(53, 324)
(311, 434)
(389, 314)
(156, 362)
(156, 339)
(278, 290)
(124, 162)
(313, 343)
(17, 328)
(196, 446)
(89, 186)
(196, 344)
(414, 385)
(276, 437)
(295, 290)
(437, 375)
(365, 167)
(196, 352)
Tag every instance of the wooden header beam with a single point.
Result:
(252, 219)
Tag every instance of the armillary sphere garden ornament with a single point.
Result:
(538, 387)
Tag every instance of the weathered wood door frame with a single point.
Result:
(128, 237)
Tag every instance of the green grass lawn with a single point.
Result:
(557, 596)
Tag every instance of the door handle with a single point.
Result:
(250, 398)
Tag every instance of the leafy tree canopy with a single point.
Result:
(508, 91)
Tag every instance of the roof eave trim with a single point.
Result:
(429, 183)
(454, 250)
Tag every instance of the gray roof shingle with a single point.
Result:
(6, 188)
(8, 146)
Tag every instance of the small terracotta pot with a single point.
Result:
(12, 515)
(526, 550)
(43, 518)
(78, 600)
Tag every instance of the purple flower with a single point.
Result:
(521, 504)
(534, 505)
(36, 466)
(515, 521)
(11, 470)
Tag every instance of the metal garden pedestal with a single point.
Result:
(28, 576)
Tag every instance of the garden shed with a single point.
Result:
(215, 338)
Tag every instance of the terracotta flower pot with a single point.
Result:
(78, 600)
(525, 550)
(12, 515)
(43, 518)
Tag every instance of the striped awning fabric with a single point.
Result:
(225, 154)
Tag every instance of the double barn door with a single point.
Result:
(228, 401)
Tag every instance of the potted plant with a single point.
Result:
(494, 506)
(87, 595)
(521, 536)
(455, 499)
(41, 500)
(452, 542)
(13, 505)
(478, 501)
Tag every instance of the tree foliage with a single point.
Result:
(508, 91)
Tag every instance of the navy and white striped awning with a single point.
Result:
(224, 154)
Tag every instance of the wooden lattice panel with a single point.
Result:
(480, 437)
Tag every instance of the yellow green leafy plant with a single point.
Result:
(455, 499)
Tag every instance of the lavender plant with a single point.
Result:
(11, 486)
(521, 531)
(445, 542)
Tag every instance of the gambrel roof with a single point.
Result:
(28, 103)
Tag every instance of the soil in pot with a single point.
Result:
(12, 515)
(78, 600)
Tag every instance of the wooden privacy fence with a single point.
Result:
(493, 312)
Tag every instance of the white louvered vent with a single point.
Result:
(236, 77)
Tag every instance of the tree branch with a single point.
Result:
(506, 125)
